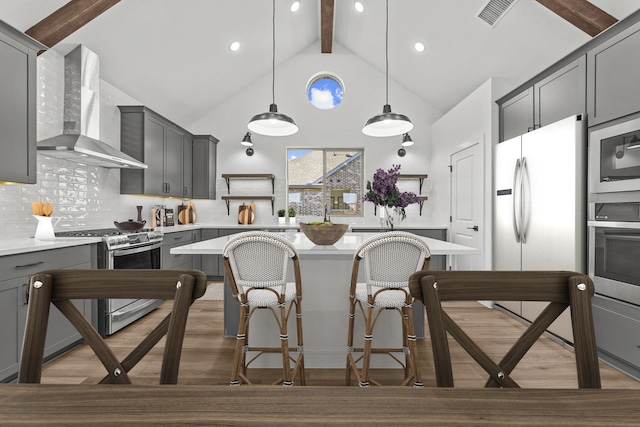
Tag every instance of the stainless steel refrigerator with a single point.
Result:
(539, 218)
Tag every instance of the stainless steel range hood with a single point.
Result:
(80, 141)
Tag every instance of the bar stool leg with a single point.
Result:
(241, 343)
(412, 359)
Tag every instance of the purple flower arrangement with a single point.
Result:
(383, 191)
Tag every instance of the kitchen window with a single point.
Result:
(325, 91)
(325, 178)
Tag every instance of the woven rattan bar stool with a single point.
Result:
(256, 264)
(390, 259)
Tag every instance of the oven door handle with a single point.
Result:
(634, 238)
(131, 312)
(122, 252)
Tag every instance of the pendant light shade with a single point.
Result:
(387, 123)
(273, 123)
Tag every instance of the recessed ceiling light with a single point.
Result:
(234, 46)
(419, 47)
(359, 7)
(295, 6)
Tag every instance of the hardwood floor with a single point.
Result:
(207, 355)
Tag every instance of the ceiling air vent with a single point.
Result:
(493, 10)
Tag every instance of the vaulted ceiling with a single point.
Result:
(173, 55)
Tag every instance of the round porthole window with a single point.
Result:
(325, 91)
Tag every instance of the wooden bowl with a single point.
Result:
(325, 233)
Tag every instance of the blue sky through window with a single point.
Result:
(294, 154)
(325, 93)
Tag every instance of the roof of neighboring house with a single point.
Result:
(307, 169)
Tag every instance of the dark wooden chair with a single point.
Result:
(59, 287)
(561, 289)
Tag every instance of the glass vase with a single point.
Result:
(389, 218)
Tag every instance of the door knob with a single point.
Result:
(474, 228)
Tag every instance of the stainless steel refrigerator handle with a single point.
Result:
(523, 229)
(516, 204)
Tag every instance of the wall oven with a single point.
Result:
(124, 250)
(614, 250)
(614, 157)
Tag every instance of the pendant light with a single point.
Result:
(273, 123)
(387, 123)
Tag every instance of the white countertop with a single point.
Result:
(345, 246)
(29, 244)
(200, 225)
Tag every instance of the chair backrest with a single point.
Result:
(391, 258)
(258, 259)
(59, 287)
(561, 289)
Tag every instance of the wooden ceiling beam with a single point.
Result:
(581, 13)
(326, 25)
(66, 20)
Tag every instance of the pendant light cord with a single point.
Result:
(273, 56)
(387, 53)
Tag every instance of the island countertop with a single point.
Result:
(345, 246)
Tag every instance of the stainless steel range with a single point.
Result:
(123, 250)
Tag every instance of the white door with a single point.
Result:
(467, 195)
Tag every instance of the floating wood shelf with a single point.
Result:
(227, 200)
(419, 177)
(421, 200)
(230, 176)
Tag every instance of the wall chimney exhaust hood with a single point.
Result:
(80, 139)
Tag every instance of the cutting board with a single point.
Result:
(246, 214)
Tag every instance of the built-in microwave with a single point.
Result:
(614, 157)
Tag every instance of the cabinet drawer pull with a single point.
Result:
(30, 265)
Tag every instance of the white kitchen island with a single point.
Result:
(325, 271)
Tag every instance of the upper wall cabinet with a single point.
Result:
(18, 91)
(187, 166)
(204, 166)
(613, 87)
(516, 115)
(553, 98)
(152, 139)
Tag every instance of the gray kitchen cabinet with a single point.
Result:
(210, 264)
(516, 115)
(18, 92)
(15, 271)
(187, 166)
(617, 327)
(197, 259)
(157, 142)
(177, 261)
(561, 94)
(555, 97)
(204, 166)
(612, 77)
